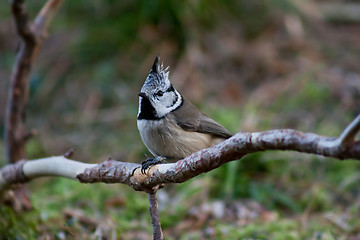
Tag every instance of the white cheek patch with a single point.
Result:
(167, 105)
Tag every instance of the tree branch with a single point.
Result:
(111, 171)
(32, 36)
(22, 23)
(154, 216)
(349, 133)
(23, 171)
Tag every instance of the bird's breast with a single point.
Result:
(165, 138)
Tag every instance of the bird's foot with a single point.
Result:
(151, 162)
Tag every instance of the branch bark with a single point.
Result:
(32, 36)
(349, 133)
(154, 216)
(111, 171)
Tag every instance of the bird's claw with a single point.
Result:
(151, 162)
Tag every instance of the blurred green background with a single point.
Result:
(251, 65)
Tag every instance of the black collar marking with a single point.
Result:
(147, 111)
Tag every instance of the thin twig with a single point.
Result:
(45, 16)
(154, 216)
(69, 153)
(349, 133)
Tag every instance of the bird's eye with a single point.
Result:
(159, 93)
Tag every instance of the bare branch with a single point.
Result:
(69, 153)
(13, 173)
(211, 158)
(154, 216)
(349, 133)
(46, 14)
(23, 171)
(60, 166)
(32, 36)
(22, 23)
(111, 171)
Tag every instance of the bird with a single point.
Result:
(170, 126)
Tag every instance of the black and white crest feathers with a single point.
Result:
(158, 97)
(157, 78)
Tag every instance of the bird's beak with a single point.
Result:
(143, 95)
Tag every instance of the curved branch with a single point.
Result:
(208, 159)
(349, 133)
(23, 171)
(21, 18)
(234, 148)
(32, 36)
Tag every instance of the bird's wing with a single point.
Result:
(191, 119)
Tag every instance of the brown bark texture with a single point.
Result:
(31, 36)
